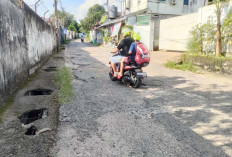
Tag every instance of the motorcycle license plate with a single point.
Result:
(142, 74)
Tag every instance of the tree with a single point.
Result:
(94, 15)
(66, 18)
(72, 28)
(219, 4)
(202, 38)
(227, 32)
(96, 9)
(76, 25)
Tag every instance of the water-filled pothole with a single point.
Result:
(36, 92)
(33, 115)
(51, 69)
(31, 131)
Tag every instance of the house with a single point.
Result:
(145, 15)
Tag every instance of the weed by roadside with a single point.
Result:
(181, 66)
(8, 103)
(63, 78)
(97, 44)
(67, 41)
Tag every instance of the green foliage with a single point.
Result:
(66, 19)
(202, 37)
(87, 37)
(63, 79)
(94, 15)
(183, 66)
(72, 28)
(96, 9)
(76, 25)
(3, 108)
(128, 26)
(67, 41)
(227, 31)
(194, 44)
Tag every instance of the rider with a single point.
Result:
(122, 50)
(82, 38)
(132, 53)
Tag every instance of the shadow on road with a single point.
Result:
(199, 120)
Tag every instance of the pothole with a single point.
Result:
(51, 69)
(73, 57)
(62, 47)
(36, 92)
(33, 115)
(31, 131)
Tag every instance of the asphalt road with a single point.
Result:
(177, 113)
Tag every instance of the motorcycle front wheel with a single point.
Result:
(111, 77)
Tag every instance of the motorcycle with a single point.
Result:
(132, 74)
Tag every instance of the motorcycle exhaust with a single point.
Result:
(142, 75)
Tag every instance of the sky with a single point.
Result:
(78, 8)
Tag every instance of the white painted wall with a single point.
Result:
(146, 35)
(174, 32)
(136, 5)
(26, 40)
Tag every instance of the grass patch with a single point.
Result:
(97, 44)
(63, 79)
(181, 66)
(67, 41)
(3, 109)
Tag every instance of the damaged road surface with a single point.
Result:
(176, 114)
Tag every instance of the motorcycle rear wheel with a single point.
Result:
(137, 81)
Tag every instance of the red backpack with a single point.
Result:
(142, 57)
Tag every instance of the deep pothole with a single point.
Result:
(51, 69)
(33, 115)
(31, 131)
(37, 92)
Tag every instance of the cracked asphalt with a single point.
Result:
(176, 113)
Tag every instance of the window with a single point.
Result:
(186, 2)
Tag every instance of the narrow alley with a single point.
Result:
(175, 113)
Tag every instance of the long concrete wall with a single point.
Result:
(174, 32)
(25, 41)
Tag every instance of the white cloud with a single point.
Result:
(83, 8)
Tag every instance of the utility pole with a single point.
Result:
(107, 1)
(36, 6)
(57, 25)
